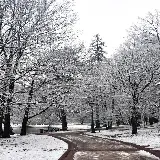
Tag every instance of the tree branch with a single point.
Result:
(38, 113)
(149, 82)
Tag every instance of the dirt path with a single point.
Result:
(84, 147)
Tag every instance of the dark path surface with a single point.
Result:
(84, 147)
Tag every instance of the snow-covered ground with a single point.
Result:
(70, 126)
(149, 137)
(31, 147)
(75, 126)
(36, 128)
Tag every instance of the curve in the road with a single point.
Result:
(84, 147)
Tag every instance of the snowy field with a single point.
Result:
(149, 137)
(32, 147)
(36, 128)
(75, 126)
(42, 147)
(71, 126)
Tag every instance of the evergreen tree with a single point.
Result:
(96, 50)
(97, 56)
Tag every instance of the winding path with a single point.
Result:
(84, 147)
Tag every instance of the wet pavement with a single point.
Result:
(85, 147)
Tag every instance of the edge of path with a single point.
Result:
(139, 147)
(68, 155)
(150, 150)
(72, 148)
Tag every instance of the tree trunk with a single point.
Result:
(7, 126)
(97, 118)
(8, 86)
(111, 117)
(25, 118)
(113, 103)
(92, 122)
(97, 123)
(109, 124)
(64, 121)
(6, 133)
(1, 120)
(82, 121)
(24, 124)
(2, 99)
(134, 119)
(134, 125)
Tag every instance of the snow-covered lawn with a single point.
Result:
(31, 147)
(75, 126)
(70, 126)
(36, 128)
(149, 137)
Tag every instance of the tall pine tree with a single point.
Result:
(97, 56)
(96, 50)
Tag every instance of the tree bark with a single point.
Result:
(1, 114)
(134, 119)
(1, 121)
(134, 124)
(7, 126)
(6, 133)
(110, 124)
(97, 118)
(82, 121)
(92, 121)
(111, 118)
(64, 121)
(25, 118)
(24, 126)
(24, 123)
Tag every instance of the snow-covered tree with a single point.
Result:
(27, 29)
(137, 63)
(96, 61)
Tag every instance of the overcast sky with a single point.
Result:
(111, 18)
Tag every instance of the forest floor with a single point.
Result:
(91, 147)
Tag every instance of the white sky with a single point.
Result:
(111, 18)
